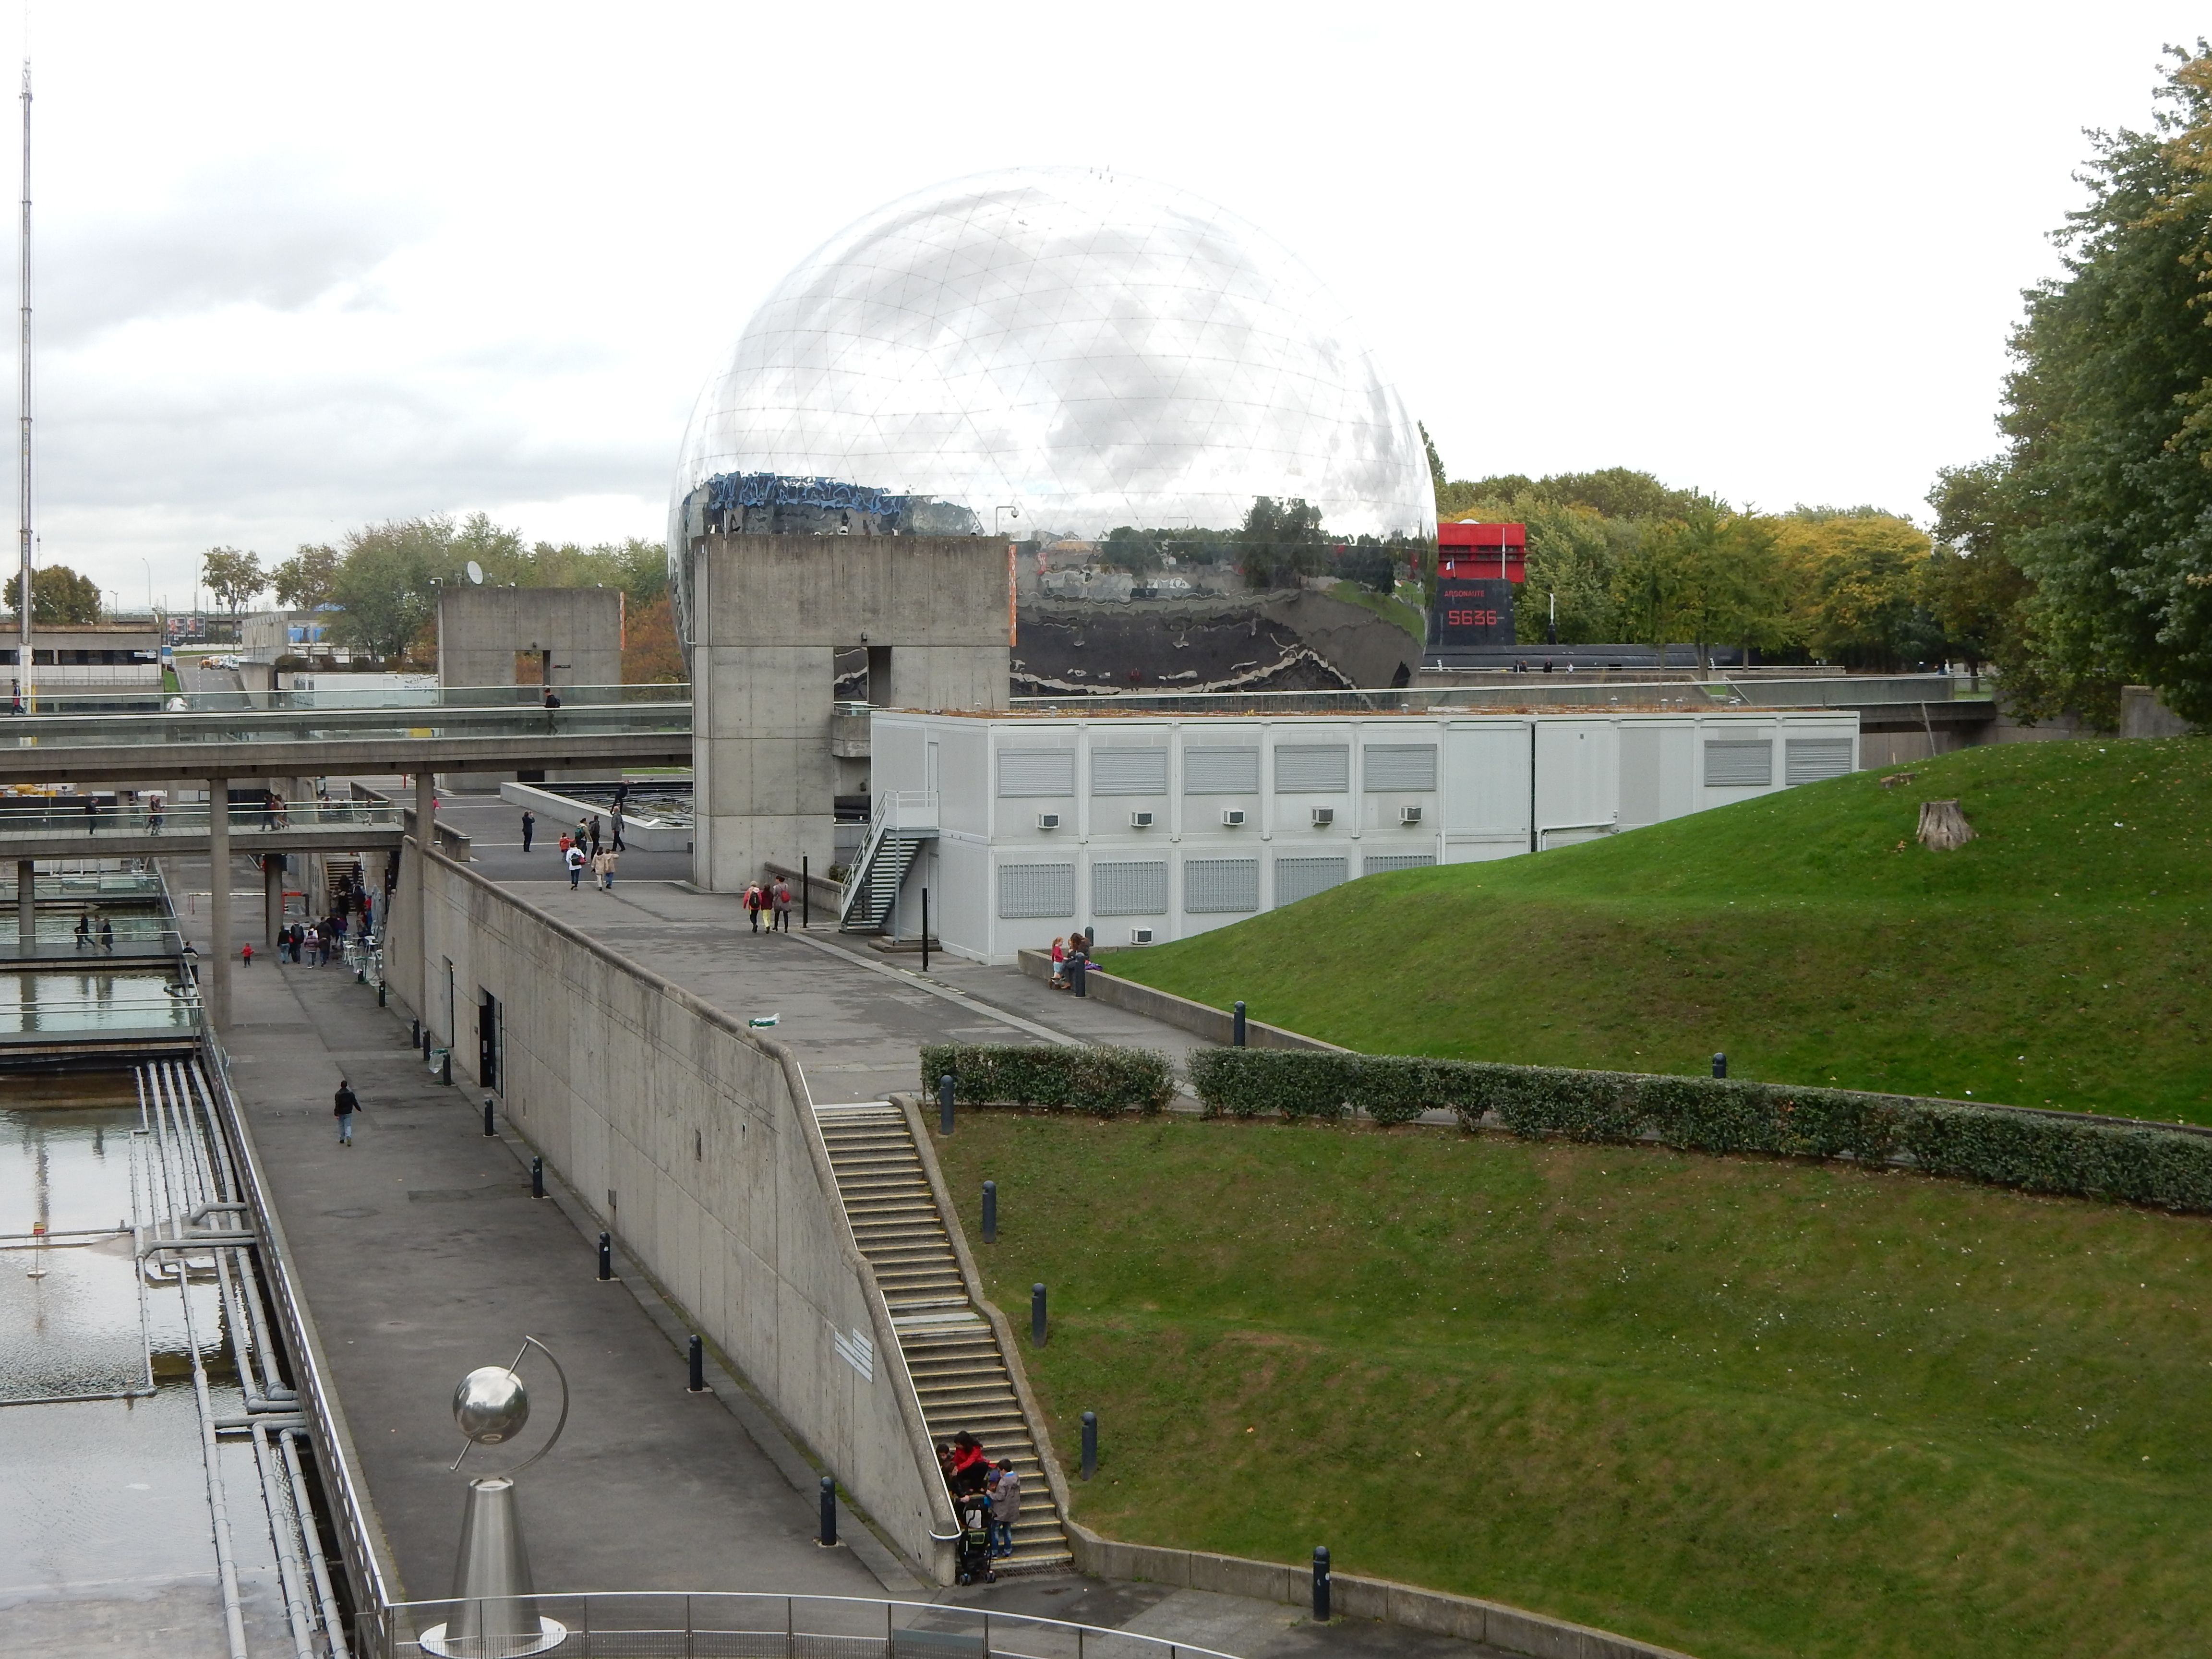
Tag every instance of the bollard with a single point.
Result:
(489, 1130)
(1320, 1583)
(1036, 1315)
(1720, 1065)
(446, 1068)
(1237, 1025)
(945, 1104)
(1090, 1445)
(1075, 967)
(606, 1257)
(698, 1383)
(805, 891)
(414, 1037)
(380, 993)
(537, 1177)
(828, 1536)
(990, 1212)
(924, 930)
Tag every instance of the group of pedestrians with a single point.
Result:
(968, 1473)
(313, 944)
(773, 902)
(103, 936)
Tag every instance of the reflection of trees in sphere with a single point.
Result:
(491, 1404)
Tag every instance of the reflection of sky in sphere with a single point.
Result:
(1098, 351)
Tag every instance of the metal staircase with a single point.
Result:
(952, 1351)
(904, 818)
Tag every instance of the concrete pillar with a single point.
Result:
(217, 965)
(27, 902)
(426, 837)
(272, 901)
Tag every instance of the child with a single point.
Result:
(1059, 981)
(1006, 1489)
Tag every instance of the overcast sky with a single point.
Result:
(301, 267)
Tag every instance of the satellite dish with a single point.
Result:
(476, 572)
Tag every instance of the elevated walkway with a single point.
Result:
(960, 1376)
(70, 832)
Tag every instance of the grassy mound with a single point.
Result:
(2062, 959)
(1741, 1408)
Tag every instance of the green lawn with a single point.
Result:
(1387, 606)
(1739, 1406)
(2060, 959)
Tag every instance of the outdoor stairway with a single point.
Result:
(959, 1375)
(883, 867)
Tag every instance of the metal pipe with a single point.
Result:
(333, 1621)
(218, 1506)
(291, 1571)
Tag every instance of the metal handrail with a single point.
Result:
(679, 1625)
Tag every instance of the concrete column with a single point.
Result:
(426, 837)
(216, 964)
(272, 901)
(27, 902)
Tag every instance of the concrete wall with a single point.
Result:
(692, 1140)
(480, 630)
(771, 612)
(2143, 715)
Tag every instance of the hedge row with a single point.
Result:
(1094, 1079)
(2134, 1164)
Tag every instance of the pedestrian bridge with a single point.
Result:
(141, 831)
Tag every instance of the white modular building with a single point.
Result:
(1147, 828)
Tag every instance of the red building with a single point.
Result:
(1478, 567)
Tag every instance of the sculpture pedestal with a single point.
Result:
(497, 1619)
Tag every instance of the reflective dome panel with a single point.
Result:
(1055, 351)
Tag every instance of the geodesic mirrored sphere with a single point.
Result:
(491, 1404)
(1053, 352)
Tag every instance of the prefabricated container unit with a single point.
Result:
(1130, 824)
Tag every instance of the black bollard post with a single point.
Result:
(490, 1129)
(380, 993)
(1237, 1025)
(1036, 1315)
(828, 1535)
(415, 1034)
(924, 930)
(1320, 1583)
(1075, 967)
(537, 1177)
(805, 892)
(945, 1104)
(1720, 1065)
(990, 1212)
(1090, 1445)
(606, 1257)
(698, 1382)
(445, 1069)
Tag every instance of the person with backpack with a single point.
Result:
(342, 1107)
(574, 859)
(754, 899)
(783, 906)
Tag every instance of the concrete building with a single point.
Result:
(76, 657)
(1152, 828)
(770, 614)
(530, 636)
(268, 635)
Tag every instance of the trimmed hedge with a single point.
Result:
(1093, 1078)
(2133, 1164)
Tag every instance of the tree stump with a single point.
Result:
(1943, 827)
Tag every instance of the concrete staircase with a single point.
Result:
(951, 1350)
(882, 866)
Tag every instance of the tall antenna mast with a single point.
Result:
(23, 409)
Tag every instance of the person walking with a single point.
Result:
(343, 1105)
(268, 809)
(595, 835)
(603, 863)
(91, 813)
(616, 820)
(246, 956)
(107, 937)
(754, 898)
(574, 858)
(84, 930)
(782, 898)
(1006, 1508)
(155, 804)
(529, 829)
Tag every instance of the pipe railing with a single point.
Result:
(193, 818)
(679, 1624)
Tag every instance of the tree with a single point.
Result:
(304, 580)
(233, 577)
(1858, 584)
(1436, 461)
(2103, 499)
(386, 583)
(1978, 596)
(59, 596)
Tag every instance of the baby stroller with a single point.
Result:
(974, 1551)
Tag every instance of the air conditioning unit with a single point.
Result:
(1047, 820)
(1323, 817)
(1140, 820)
(1232, 817)
(1409, 815)
(1140, 936)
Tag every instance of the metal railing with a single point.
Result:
(51, 703)
(193, 818)
(1520, 693)
(676, 1624)
(578, 719)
